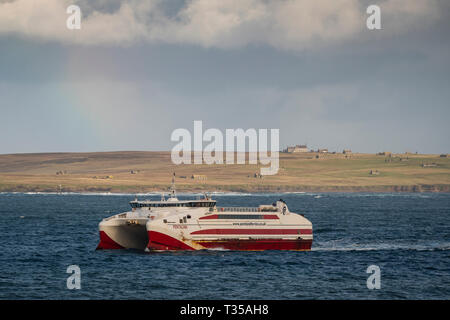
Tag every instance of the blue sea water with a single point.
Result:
(406, 235)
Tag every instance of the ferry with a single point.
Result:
(267, 227)
(173, 225)
(127, 230)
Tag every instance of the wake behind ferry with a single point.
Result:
(173, 224)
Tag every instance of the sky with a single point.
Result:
(137, 70)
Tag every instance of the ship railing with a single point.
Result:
(245, 209)
(117, 216)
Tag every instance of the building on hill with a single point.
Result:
(322, 150)
(199, 177)
(385, 153)
(427, 165)
(347, 151)
(296, 149)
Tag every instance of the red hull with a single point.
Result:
(266, 244)
(160, 241)
(107, 243)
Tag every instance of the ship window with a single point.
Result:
(184, 219)
(188, 216)
(165, 221)
(181, 220)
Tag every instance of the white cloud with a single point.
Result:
(288, 24)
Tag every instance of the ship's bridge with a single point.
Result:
(177, 203)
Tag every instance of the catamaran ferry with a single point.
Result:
(173, 224)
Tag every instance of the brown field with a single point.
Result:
(111, 172)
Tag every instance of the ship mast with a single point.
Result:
(173, 193)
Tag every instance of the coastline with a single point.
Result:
(231, 189)
(145, 171)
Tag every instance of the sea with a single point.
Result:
(366, 246)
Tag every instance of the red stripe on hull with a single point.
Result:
(212, 216)
(161, 241)
(254, 231)
(107, 243)
(263, 216)
(266, 244)
(270, 216)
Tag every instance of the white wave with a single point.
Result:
(217, 249)
(294, 192)
(386, 195)
(240, 194)
(380, 247)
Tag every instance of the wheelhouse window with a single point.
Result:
(210, 204)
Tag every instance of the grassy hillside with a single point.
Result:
(111, 172)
